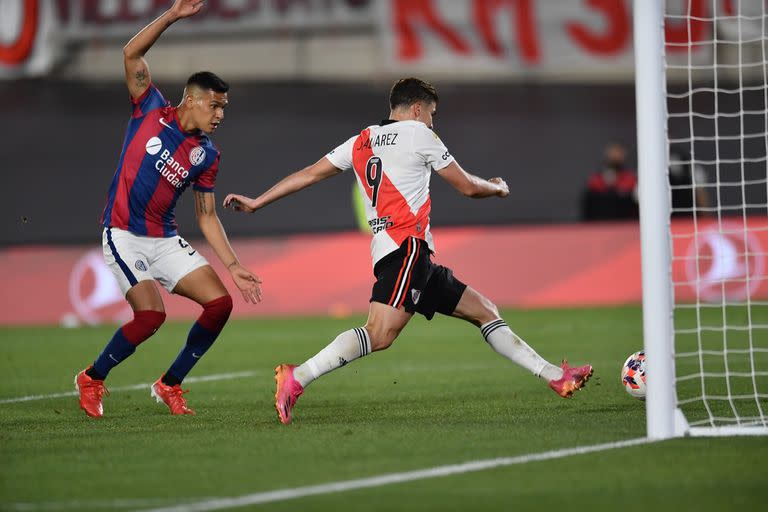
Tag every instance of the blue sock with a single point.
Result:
(117, 350)
(198, 342)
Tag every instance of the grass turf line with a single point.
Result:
(439, 396)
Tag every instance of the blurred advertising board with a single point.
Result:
(30, 37)
(521, 266)
(535, 37)
(512, 38)
(122, 18)
(35, 33)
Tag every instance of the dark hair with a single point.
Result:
(207, 80)
(408, 91)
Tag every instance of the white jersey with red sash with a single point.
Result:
(393, 163)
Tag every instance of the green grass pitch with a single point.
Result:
(439, 396)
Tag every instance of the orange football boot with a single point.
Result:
(90, 391)
(172, 396)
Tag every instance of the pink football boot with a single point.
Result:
(572, 380)
(288, 391)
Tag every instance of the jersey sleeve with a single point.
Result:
(341, 157)
(206, 182)
(428, 146)
(151, 99)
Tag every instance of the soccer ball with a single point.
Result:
(633, 375)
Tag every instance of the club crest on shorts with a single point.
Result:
(196, 155)
(415, 295)
(140, 265)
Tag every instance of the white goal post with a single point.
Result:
(702, 142)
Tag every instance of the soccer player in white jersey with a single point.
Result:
(393, 163)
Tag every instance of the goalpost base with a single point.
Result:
(683, 429)
(726, 431)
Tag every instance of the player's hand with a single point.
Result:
(239, 203)
(186, 8)
(503, 188)
(248, 283)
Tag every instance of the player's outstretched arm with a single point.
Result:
(205, 209)
(136, 69)
(471, 185)
(316, 172)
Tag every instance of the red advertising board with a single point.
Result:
(330, 274)
(499, 37)
(538, 37)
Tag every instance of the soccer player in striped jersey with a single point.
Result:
(166, 149)
(393, 162)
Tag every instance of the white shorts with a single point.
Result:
(133, 258)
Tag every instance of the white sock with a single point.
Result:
(347, 347)
(499, 336)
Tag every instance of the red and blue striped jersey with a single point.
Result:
(159, 160)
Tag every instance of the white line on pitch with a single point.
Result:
(129, 503)
(391, 478)
(203, 378)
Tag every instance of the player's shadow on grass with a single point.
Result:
(474, 411)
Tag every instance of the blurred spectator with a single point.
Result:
(611, 192)
(688, 181)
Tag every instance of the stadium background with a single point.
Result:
(531, 91)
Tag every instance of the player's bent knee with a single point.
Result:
(491, 311)
(485, 312)
(216, 313)
(143, 325)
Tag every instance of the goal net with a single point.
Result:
(717, 142)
